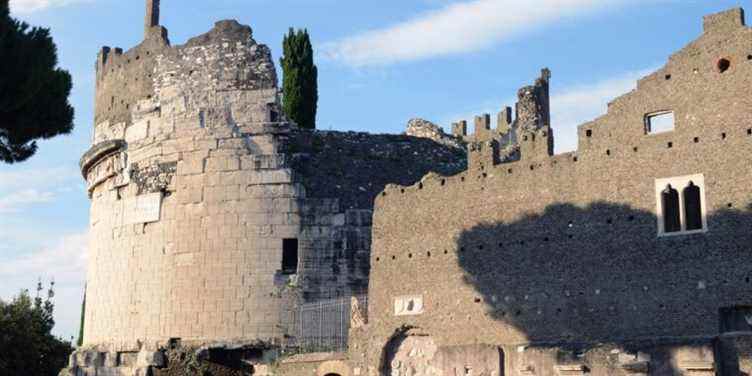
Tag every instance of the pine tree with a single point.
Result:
(33, 91)
(300, 79)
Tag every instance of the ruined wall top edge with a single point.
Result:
(718, 61)
(124, 78)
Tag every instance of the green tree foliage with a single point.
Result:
(300, 79)
(80, 341)
(27, 346)
(33, 92)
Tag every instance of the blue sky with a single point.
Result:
(380, 64)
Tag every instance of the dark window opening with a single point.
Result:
(589, 133)
(736, 319)
(289, 256)
(273, 116)
(723, 65)
(692, 207)
(670, 205)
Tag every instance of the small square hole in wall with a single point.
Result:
(668, 77)
(749, 132)
(723, 136)
(589, 133)
(670, 145)
(659, 122)
(696, 140)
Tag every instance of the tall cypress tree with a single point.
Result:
(33, 91)
(80, 341)
(300, 79)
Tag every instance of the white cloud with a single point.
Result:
(14, 179)
(20, 188)
(30, 6)
(64, 261)
(457, 28)
(570, 106)
(14, 201)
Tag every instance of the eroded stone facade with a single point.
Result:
(558, 261)
(212, 217)
(526, 263)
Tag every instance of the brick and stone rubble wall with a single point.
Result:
(557, 261)
(196, 181)
(342, 173)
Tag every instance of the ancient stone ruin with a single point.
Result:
(215, 222)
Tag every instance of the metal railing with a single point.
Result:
(322, 326)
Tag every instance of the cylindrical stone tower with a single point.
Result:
(194, 217)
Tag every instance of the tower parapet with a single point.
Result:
(527, 136)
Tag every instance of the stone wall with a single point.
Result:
(184, 231)
(197, 183)
(558, 260)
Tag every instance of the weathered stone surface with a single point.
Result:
(559, 260)
(425, 129)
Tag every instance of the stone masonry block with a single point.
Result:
(191, 164)
(222, 163)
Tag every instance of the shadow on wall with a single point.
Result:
(572, 276)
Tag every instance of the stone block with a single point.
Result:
(150, 359)
(192, 164)
(142, 209)
(137, 131)
(222, 163)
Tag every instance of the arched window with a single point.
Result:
(692, 207)
(671, 215)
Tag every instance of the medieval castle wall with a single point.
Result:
(630, 256)
(211, 216)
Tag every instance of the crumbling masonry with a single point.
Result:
(212, 217)
(630, 256)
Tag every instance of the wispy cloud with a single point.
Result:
(457, 28)
(30, 6)
(14, 201)
(570, 106)
(50, 176)
(22, 188)
(64, 261)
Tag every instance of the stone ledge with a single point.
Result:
(97, 152)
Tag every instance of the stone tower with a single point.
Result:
(191, 202)
(212, 218)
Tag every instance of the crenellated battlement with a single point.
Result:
(527, 135)
(699, 96)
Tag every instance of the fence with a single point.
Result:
(322, 326)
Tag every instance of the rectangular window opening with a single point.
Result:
(659, 122)
(289, 256)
